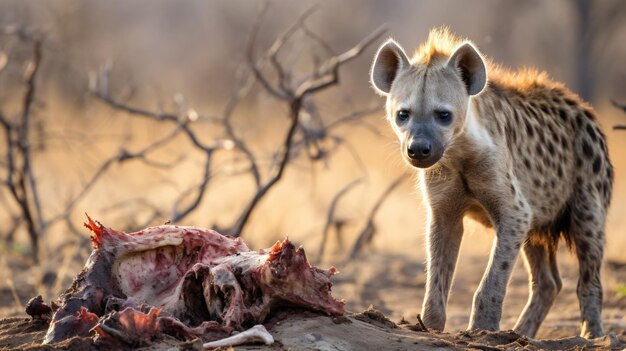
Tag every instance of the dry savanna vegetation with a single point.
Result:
(257, 120)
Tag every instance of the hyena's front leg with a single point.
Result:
(443, 242)
(487, 306)
(444, 193)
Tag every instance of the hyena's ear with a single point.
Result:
(470, 65)
(389, 61)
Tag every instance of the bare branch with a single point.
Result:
(330, 216)
(24, 144)
(321, 42)
(238, 142)
(354, 116)
(618, 105)
(355, 156)
(312, 138)
(66, 213)
(367, 234)
(10, 163)
(331, 76)
(260, 77)
(122, 156)
(272, 53)
(179, 215)
(16, 221)
(183, 124)
(21, 183)
(134, 110)
(623, 108)
(295, 100)
(283, 158)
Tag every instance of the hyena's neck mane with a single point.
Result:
(442, 43)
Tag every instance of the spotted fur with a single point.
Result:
(522, 154)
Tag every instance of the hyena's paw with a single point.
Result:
(434, 319)
(591, 330)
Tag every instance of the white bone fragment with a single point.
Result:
(258, 333)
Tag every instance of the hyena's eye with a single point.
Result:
(402, 115)
(443, 116)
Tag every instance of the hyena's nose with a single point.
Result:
(419, 149)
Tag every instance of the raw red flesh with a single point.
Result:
(185, 282)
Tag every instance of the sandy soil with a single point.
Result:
(302, 330)
(393, 284)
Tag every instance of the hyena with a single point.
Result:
(513, 150)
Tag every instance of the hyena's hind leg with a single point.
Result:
(545, 284)
(587, 234)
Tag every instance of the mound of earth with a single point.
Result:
(305, 330)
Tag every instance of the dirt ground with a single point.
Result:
(393, 284)
(302, 330)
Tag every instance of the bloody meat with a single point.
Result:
(182, 281)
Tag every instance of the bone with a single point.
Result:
(258, 333)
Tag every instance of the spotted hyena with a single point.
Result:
(513, 150)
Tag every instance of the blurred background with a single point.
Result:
(146, 112)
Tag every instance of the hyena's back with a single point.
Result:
(557, 152)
